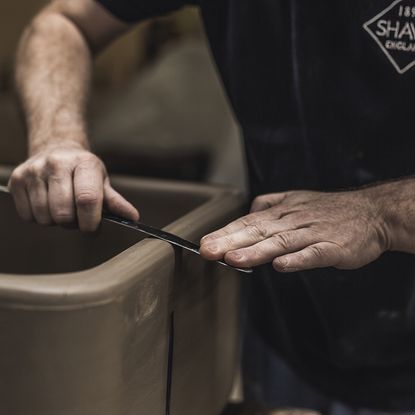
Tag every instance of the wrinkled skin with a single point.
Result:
(303, 230)
(66, 185)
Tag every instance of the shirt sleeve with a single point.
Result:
(131, 11)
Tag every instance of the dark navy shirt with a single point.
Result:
(323, 92)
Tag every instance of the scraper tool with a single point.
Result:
(155, 233)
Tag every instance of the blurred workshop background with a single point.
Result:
(157, 109)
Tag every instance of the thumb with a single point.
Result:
(117, 204)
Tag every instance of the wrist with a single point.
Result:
(50, 142)
(63, 128)
(392, 202)
(381, 215)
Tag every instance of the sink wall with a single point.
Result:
(116, 324)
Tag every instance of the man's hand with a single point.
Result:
(63, 185)
(303, 230)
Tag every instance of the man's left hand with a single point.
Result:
(302, 230)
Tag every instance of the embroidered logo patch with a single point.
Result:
(393, 29)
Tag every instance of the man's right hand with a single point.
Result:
(64, 185)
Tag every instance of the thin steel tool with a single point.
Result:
(155, 233)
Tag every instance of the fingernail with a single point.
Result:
(236, 255)
(213, 248)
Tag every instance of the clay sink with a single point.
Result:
(115, 323)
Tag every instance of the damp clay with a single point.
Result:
(115, 323)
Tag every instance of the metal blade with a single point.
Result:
(164, 236)
(155, 233)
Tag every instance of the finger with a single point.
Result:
(88, 191)
(266, 201)
(277, 245)
(61, 199)
(236, 226)
(320, 255)
(38, 197)
(248, 236)
(22, 203)
(21, 198)
(117, 204)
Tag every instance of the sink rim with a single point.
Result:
(104, 283)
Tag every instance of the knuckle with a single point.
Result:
(263, 201)
(63, 217)
(257, 231)
(33, 172)
(54, 163)
(228, 241)
(283, 241)
(87, 198)
(17, 178)
(316, 252)
(247, 220)
(37, 166)
(259, 200)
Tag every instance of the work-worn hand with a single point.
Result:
(302, 230)
(63, 185)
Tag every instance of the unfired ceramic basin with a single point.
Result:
(113, 323)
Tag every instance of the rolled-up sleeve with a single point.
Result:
(131, 11)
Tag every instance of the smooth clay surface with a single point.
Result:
(115, 323)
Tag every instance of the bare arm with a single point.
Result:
(62, 181)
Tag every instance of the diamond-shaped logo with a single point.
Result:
(393, 29)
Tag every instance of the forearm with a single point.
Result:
(62, 182)
(53, 75)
